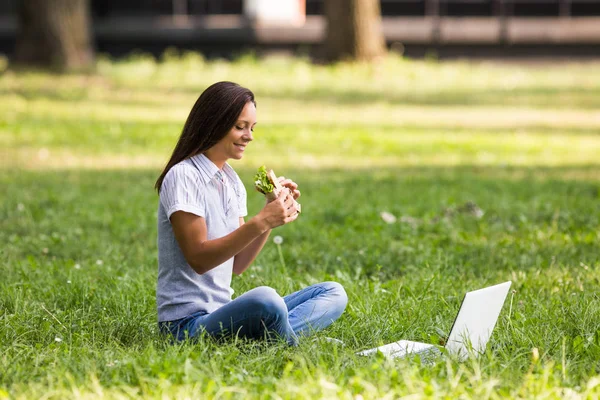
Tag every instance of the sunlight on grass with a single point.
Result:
(399, 112)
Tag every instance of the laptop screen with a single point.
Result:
(476, 320)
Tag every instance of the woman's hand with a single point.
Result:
(280, 211)
(290, 184)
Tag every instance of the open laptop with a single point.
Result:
(471, 329)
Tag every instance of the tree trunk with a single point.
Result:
(54, 34)
(354, 30)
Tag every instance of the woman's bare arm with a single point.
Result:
(203, 254)
(245, 257)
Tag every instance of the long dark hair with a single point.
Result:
(212, 117)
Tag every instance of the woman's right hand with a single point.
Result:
(280, 211)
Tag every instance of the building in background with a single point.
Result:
(223, 27)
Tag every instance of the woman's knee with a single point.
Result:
(337, 294)
(268, 302)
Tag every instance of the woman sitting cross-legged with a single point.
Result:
(203, 239)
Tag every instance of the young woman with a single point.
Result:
(203, 239)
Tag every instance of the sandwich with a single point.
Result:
(267, 183)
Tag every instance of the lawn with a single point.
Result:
(491, 171)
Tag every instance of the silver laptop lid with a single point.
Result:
(476, 319)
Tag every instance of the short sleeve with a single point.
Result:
(241, 197)
(183, 190)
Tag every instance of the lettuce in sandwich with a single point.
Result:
(267, 183)
(262, 182)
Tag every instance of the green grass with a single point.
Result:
(80, 155)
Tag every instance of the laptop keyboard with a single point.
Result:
(403, 348)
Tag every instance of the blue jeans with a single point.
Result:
(262, 314)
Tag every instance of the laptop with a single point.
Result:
(471, 329)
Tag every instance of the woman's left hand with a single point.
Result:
(290, 184)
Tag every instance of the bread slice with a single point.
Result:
(278, 188)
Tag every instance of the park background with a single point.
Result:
(423, 177)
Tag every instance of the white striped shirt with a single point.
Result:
(196, 185)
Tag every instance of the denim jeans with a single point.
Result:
(262, 314)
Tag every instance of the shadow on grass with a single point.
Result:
(587, 98)
(531, 216)
(540, 97)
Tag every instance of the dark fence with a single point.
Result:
(451, 27)
(456, 8)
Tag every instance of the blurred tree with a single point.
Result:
(54, 34)
(353, 30)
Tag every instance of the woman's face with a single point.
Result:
(234, 143)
